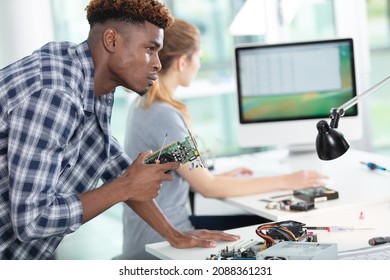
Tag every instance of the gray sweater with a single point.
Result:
(146, 130)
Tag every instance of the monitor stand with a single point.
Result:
(298, 149)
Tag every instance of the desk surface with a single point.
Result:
(356, 184)
(360, 191)
(375, 218)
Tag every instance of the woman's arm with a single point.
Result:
(231, 184)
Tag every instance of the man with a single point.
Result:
(55, 141)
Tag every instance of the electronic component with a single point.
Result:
(296, 228)
(316, 194)
(289, 250)
(185, 151)
(271, 233)
(240, 250)
(301, 206)
(290, 205)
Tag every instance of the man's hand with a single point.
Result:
(201, 238)
(142, 182)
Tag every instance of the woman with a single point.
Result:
(157, 114)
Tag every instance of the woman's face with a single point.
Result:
(190, 68)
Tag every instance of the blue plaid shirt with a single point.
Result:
(55, 142)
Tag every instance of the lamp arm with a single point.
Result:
(330, 143)
(359, 97)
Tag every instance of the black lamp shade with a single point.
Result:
(330, 142)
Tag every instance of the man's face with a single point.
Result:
(135, 63)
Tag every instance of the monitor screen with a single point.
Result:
(291, 84)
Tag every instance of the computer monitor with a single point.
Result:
(283, 90)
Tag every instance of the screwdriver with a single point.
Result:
(374, 166)
(337, 228)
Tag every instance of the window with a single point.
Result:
(211, 98)
(70, 21)
(378, 12)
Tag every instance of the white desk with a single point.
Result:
(375, 217)
(360, 191)
(356, 184)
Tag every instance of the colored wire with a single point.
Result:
(264, 232)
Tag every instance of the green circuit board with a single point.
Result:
(185, 151)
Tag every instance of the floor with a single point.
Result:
(99, 239)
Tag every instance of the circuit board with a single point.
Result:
(183, 152)
(240, 250)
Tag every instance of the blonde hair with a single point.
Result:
(181, 38)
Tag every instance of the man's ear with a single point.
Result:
(109, 39)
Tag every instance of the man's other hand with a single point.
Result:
(201, 238)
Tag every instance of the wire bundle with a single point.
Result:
(272, 232)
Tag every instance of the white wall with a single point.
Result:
(25, 25)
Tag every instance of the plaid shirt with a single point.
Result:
(55, 142)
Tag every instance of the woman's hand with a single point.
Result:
(303, 179)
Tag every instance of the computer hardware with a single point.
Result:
(184, 151)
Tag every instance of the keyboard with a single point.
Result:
(379, 252)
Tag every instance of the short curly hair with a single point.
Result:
(132, 11)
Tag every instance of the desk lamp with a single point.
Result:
(330, 142)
